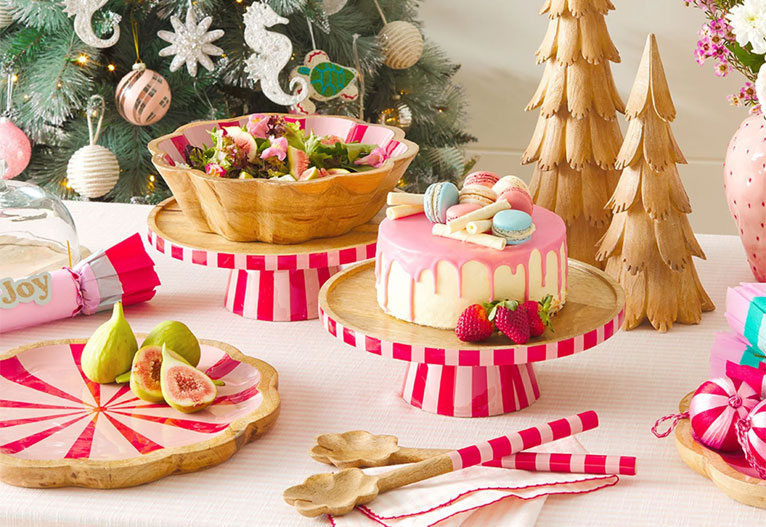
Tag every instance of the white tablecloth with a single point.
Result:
(326, 386)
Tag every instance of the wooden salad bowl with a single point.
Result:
(282, 212)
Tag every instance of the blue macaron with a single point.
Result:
(438, 198)
(514, 225)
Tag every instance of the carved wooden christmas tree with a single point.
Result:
(577, 136)
(650, 243)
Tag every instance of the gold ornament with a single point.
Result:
(402, 44)
(399, 116)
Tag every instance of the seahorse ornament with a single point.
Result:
(272, 53)
(83, 10)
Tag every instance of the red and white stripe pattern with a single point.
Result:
(525, 439)
(470, 391)
(567, 463)
(755, 436)
(715, 409)
(49, 409)
(277, 296)
(254, 262)
(278, 288)
(475, 356)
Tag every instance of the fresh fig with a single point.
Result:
(145, 374)
(184, 387)
(109, 351)
(177, 337)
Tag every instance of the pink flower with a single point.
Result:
(376, 158)
(214, 169)
(722, 68)
(278, 148)
(258, 126)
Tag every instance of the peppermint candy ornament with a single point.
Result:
(715, 409)
(752, 437)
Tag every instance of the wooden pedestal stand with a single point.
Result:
(267, 281)
(453, 378)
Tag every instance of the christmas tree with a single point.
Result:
(650, 243)
(55, 73)
(577, 136)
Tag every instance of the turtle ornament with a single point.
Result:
(326, 80)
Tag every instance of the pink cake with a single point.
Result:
(430, 280)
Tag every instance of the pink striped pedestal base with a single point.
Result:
(278, 296)
(460, 379)
(278, 283)
(470, 391)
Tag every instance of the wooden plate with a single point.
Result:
(728, 472)
(592, 313)
(59, 429)
(170, 233)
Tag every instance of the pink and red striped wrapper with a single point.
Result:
(123, 273)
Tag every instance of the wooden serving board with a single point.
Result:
(711, 464)
(57, 428)
(168, 222)
(594, 304)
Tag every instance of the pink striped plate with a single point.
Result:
(57, 428)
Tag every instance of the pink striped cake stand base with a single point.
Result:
(449, 377)
(58, 428)
(267, 281)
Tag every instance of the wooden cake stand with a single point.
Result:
(267, 281)
(454, 378)
(730, 472)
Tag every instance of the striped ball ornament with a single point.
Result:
(93, 171)
(402, 44)
(755, 435)
(142, 96)
(715, 409)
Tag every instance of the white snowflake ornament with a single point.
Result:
(191, 43)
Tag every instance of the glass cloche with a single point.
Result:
(37, 232)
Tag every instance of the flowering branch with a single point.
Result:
(734, 37)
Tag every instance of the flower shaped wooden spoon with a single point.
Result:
(339, 493)
(362, 449)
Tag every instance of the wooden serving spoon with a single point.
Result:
(339, 493)
(360, 449)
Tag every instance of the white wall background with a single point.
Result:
(495, 41)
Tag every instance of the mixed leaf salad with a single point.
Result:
(269, 147)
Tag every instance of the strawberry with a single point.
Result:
(539, 315)
(511, 320)
(473, 324)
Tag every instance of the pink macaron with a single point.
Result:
(455, 211)
(519, 199)
(487, 179)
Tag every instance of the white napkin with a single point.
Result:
(475, 497)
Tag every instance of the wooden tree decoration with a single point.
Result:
(650, 243)
(577, 136)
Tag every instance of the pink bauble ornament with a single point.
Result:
(745, 185)
(754, 438)
(142, 96)
(15, 148)
(715, 409)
